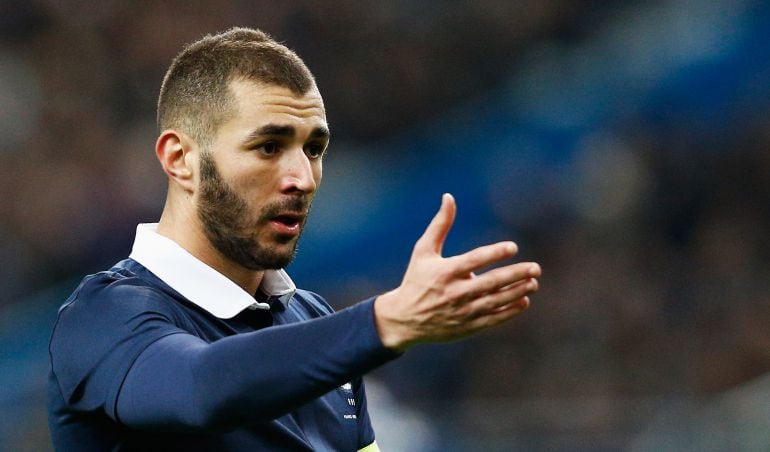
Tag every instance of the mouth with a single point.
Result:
(288, 223)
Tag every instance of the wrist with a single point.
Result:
(392, 333)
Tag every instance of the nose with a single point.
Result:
(299, 173)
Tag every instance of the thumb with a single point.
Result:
(435, 234)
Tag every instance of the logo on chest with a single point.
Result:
(347, 388)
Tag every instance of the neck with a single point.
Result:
(185, 229)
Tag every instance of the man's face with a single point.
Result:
(258, 179)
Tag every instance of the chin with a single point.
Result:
(272, 259)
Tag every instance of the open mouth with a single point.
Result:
(288, 220)
(287, 223)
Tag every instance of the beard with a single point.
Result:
(226, 222)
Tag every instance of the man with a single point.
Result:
(199, 340)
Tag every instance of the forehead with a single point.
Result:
(262, 103)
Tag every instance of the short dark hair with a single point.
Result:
(195, 97)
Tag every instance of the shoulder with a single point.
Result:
(111, 303)
(109, 319)
(115, 291)
(314, 304)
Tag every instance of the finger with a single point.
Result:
(435, 234)
(481, 257)
(499, 315)
(521, 304)
(501, 278)
(490, 302)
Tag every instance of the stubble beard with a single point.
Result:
(226, 222)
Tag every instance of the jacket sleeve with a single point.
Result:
(99, 333)
(181, 382)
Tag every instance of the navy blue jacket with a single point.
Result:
(136, 366)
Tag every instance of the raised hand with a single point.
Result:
(441, 298)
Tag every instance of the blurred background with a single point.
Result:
(622, 144)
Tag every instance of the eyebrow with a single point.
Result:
(286, 131)
(320, 132)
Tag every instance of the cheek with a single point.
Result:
(255, 182)
(246, 198)
(318, 172)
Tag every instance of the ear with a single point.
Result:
(176, 153)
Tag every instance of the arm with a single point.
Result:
(181, 382)
(441, 299)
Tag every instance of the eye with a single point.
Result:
(315, 150)
(269, 148)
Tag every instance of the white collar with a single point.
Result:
(200, 283)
